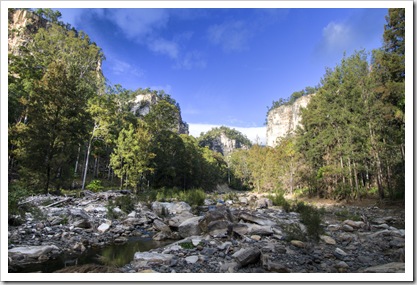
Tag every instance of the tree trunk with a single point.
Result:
(86, 163)
(78, 158)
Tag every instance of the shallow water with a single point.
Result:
(114, 254)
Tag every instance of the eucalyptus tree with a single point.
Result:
(59, 71)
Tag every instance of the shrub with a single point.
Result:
(311, 218)
(95, 186)
(294, 231)
(194, 197)
(16, 194)
(279, 200)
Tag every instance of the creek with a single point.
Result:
(112, 255)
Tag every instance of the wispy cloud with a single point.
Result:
(190, 60)
(137, 24)
(230, 36)
(119, 67)
(336, 36)
(346, 35)
(163, 46)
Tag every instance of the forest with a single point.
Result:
(68, 129)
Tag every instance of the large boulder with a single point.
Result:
(246, 256)
(257, 219)
(175, 221)
(190, 227)
(218, 222)
(32, 251)
(143, 259)
(79, 218)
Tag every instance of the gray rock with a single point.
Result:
(246, 256)
(191, 259)
(33, 251)
(394, 267)
(327, 239)
(153, 257)
(263, 203)
(178, 219)
(160, 226)
(190, 227)
(256, 219)
(104, 226)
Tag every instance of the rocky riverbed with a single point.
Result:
(244, 234)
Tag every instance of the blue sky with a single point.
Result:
(225, 66)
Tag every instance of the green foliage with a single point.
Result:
(212, 137)
(16, 194)
(294, 232)
(311, 217)
(294, 96)
(125, 203)
(187, 245)
(95, 186)
(278, 199)
(194, 197)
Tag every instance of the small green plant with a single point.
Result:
(64, 220)
(95, 186)
(194, 197)
(294, 232)
(186, 245)
(311, 218)
(279, 200)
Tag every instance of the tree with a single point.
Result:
(132, 155)
(53, 78)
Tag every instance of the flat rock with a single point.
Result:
(104, 226)
(256, 219)
(298, 243)
(327, 239)
(33, 251)
(393, 267)
(246, 256)
(153, 257)
(191, 259)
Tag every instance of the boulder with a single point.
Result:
(79, 218)
(190, 227)
(327, 239)
(33, 251)
(178, 219)
(104, 226)
(145, 258)
(263, 203)
(217, 223)
(256, 219)
(160, 226)
(246, 256)
(191, 259)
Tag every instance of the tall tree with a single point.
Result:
(131, 157)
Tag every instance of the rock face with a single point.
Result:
(224, 140)
(284, 120)
(143, 103)
(22, 24)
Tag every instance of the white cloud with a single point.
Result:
(336, 36)
(255, 134)
(163, 46)
(119, 67)
(192, 59)
(136, 24)
(231, 36)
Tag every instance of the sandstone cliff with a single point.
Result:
(224, 140)
(22, 25)
(143, 103)
(284, 120)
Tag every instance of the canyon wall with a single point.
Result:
(284, 120)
